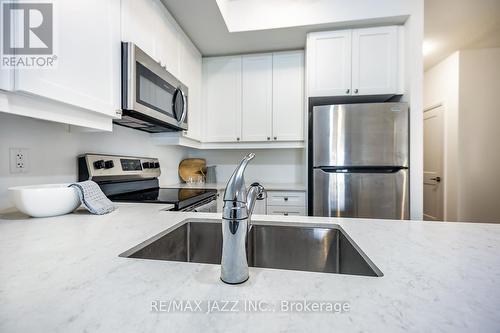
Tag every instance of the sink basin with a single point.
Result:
(269, 245)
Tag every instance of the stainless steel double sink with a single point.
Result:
(269, 245)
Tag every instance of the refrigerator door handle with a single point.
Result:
(378, 169)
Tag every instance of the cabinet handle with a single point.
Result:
(347, 91)
(275, 138)
(268, 138)
(237, 139)
(286, 198)
(355, 91)
(286, 214)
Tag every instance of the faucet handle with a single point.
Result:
(262, 193)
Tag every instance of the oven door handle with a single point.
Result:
(204, 206)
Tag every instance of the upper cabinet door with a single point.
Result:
(222, 99)
(288, 96)
(190, 74)
(167, 39)
(134, 15)
(87, 73)
(329, 63)
(257, 90)
(375, 61)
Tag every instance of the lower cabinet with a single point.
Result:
(260, 205)
(286, 210)
(286, 203)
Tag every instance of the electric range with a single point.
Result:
(135, 179)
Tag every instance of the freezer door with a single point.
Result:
(363, 195)
(360, 135)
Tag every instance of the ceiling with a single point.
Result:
(204, 24)
(450, 25)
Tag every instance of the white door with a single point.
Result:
(87, 74)
(433, 164)
(256, 97)
(374, 60)
(288, 96)
(329, 63)
(222, 99)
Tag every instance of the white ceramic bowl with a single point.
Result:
(45, 200)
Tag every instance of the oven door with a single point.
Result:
(150, 90)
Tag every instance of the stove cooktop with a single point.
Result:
(179, 197)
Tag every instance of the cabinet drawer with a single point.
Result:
(286, 210)
(290, 198)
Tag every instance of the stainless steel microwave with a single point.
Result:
(153, 100)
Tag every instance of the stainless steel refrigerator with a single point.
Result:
(358, 161)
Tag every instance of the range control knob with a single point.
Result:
(157, 165)
(109, 164)
(146, 165)
(99, 164)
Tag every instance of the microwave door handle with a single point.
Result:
(184, 106)
(174, 105)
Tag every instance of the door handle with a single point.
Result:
(438, 179)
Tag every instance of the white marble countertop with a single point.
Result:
(222, 186)
(63, 274)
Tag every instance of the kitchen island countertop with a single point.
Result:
(64, 274)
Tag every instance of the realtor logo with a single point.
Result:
(27, 34)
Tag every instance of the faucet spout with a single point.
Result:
(235, 188)
(238, 207)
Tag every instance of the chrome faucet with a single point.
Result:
(238, 208)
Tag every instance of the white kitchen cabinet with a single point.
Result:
(374, 60)
(87, 73)
(354, 62)
(329, 63)
(222, 99)
(286, 198)
(286, 203)
(256, 97)
(286, 210)
(136, 17)
(288, 96)
(260, 207)
(150, 26)
(190, 69)
(6, 79)
(167, 39)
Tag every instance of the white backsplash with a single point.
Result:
(53, 149)
(269, 165)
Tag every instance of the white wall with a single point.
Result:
(467, 84)
(268, 166)
(53, 149)
(441, 88)
(479, 139)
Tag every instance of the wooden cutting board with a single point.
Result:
(192, 167)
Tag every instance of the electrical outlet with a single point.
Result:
(19, 160)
